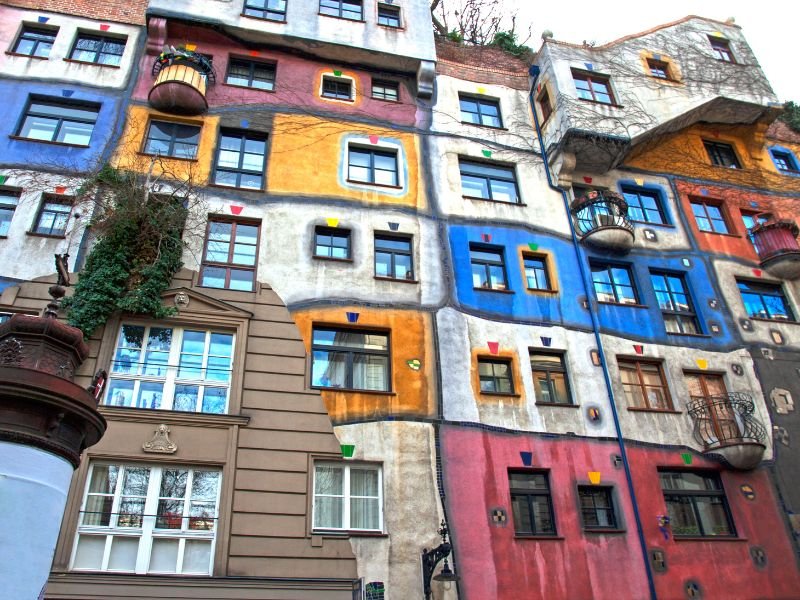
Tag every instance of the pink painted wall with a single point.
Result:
(296, 82)
(493, 563)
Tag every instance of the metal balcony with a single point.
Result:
(601, 219)
(727, 429)
(182, 77)
(777, 247)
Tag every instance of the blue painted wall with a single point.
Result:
(41, 155)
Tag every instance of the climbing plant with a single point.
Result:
(791, 116)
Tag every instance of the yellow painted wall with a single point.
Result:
(128, 154)
(683, 153)
(410, 337)
(308, 157)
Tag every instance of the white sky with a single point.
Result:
(769, 27)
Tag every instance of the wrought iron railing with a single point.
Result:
(726, 420)
(600, 210)
(775, 238)
(188, 58)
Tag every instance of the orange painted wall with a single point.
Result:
(410, 337)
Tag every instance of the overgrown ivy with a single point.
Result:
(791, 116)
(137, 252)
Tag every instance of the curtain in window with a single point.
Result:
(329, 497)
(364, 506)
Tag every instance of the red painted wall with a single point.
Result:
(296, 82)
(493, 563)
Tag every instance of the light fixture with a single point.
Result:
(431, 558)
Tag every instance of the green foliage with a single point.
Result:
(138, 251)
(507, 40)
(455, 36)
(791, 116)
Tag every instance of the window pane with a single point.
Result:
(370, 372)
(214, 400)
(89, 553)
(196, 556)
(186, 397)
(213, 277)
(123, 553)
(364, 513)
(164, 556)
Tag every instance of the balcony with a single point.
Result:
(182, 77)
(777, 247)
(727, 429)
(601, 219)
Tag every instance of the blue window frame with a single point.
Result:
(613, 283)
(784, 161)
(644, 205)
(764, 300)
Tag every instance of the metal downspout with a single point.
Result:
(534, 73)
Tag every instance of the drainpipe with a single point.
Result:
(534, 72)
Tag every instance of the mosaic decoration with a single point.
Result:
(746, 324)
(253, 53)
(67, 93)
(332, 222)
(43, 19)
(587, 180)
(663, 524)
(658, 560)
(737, 369)
(656, 57)
(190, 47)
(373, 139)
(61, 189)
(767, 353)
(589, 66)
(244, 123)
(692, 589)
(533, 247)
(394, 226)
(704, 192)
(375, 590)
(494, 347)
(337, 73)
(104, 26)
(686, 262)
(782, 401)
(236, 209)
(593, 414)
(757, 272)
(414, 364)
(713, 303)
(527, 457)
(616, 460)
(486, 237)
(352, 317)
(701, 363)
(714, 328)
(747, 491)
(687, 458)
(639, 181)
(650, 235)
(594, 477)
(546, 341)
(595, 356)
(781, 435)
(498, 517)
(759, 556)
(777, 337)
(487, 153)
(638, 348)
(754, 205)
(347, 450)
(481, 90)
(3, 179)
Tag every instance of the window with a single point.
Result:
(59, 121)
(35, 41)
(550, 380)
(376, 167)
(597, 508)
(348, 497)
(488, 267)
(784, 161)
(8, 204)
(175, 140)
(388, 15)
(709, 217)
(53, 215)
(393, 257)
(240, 160)
(696, 504)
(350, 359)
(385, 90)
(722, 155)
(719, 422)
(148, 519)
(272, 10)
(487, 181)
(97, 49)
(596, 88)
(545, 105)
(230, 255)
(344, 9)
(495, 376)
(249, 73)
(750, 220)
(330, 242)
(644, 205)
(675, 302)
(644, 384)
(658, 68)
(171, 368)
(337, 89)
(764, 300)
(722, 49)
(613, 283)
(480, 111)
(536, 277)
(531, 504)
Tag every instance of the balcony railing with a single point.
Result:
(601, 218)
(726, 427)
(182, 77)
(777, 247)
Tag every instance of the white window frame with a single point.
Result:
(147, 533)
(170, 379)
(346, 495)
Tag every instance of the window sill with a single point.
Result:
(24, 139)
(94, 64)
(248, 87)
(763, 320)
(666, 79)
(557, 404)
(335, 99)
(233, 187)
(267, 19)
(503, 394)
(665, 411)
(46, 235)
(224, 289)
(341, 18)
(724, 168)
(604, 531)
(708, 538)
(541, 291)
(694, 335)
(622, 304)
(385, 100)
(382, 185)
(495, 290)
(396, 279)
(482, 126)
(9, 53)
(611, 104)
(493, 200)
(333, 259)
(350, 390)
(731, 235)
(391, 27)
(166, 157)
(340, 533)
(649, 224)
(524, 536)
(129, 413)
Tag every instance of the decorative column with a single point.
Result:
(46, 421)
